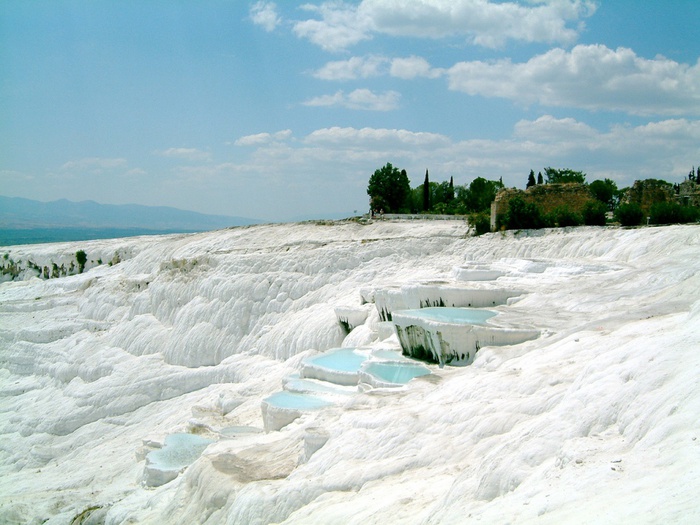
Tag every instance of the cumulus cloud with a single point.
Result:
(590, 77)
(550, 129)
(362, 99)
(340, 26)
(376, 65)
(412, 67)
(353, 137)
(264, 138)
(265, 15)
(353, 68)
(481, 22)
(189, 154)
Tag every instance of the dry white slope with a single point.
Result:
(594, 422)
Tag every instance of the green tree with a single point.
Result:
(440, 193)
(594, 213)
(389, 189)
(481, 194)
(629, 214)
(558, 176)
(605, 191)
(531, 180)
(540, 180)
(414, 201)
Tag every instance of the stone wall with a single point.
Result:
(547, 196)
(688, 193)
(647, 192)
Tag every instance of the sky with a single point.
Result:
(283, 110)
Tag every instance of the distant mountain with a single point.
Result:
(59, 220)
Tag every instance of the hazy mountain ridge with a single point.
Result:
(20, 213)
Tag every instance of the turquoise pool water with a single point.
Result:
(392, 355)
(342, 360)
(398, 372)
(179, 450)
(297, 385)
(452, 315)
(296, 401)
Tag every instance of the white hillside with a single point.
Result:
(594, 421)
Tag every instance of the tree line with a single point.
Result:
(390, 191)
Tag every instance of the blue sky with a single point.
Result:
(280, 110)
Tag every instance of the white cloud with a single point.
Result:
(375, 65)
(412, 67)
(353, 68)
(340, 26)
(264, 138)
(362, 99)
(265, 15)
(361, 138)
(550, 129)
(482, 22)
(592, 77)
(189, 154)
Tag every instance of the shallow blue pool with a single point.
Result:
(179, 450)
(342, 360)
(296, 401)
(397, 372)
(297, 385)
(452, 314)
(391, 355)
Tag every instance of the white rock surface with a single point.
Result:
(593, 422)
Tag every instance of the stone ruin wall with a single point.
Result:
(647, 192)
(688, 193)
(547, 196)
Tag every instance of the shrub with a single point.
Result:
(481, 223)
(563, 217)
(672, 213)
(81, 259)
(523, 215)
(594, 213)
(629, 214)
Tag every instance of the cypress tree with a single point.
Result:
(451, 194)
(530, 180)
(426, 192)
(540, 180)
